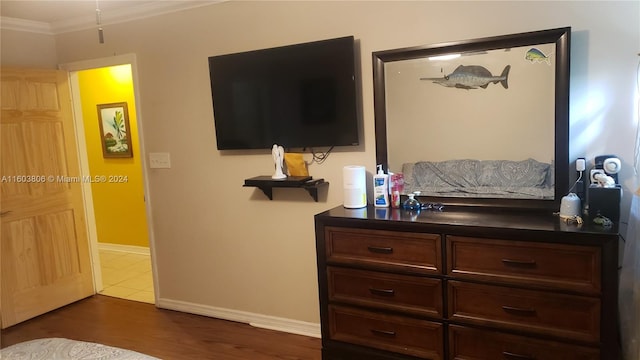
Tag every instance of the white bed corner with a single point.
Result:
(67, 349)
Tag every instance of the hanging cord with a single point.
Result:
(576, 183)
(320, 157)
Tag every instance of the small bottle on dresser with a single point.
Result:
(381, 188)
(396, 186)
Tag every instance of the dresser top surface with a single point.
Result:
(465, 217)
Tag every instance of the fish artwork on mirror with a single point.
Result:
(472, 77)
(534, 55)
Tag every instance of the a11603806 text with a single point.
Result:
(85, 179)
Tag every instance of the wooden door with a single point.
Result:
(44, 247)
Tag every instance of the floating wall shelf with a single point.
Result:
(266, 184)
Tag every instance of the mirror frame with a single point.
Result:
(559, 36)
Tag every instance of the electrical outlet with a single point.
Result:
(159, 161)
(580, 164)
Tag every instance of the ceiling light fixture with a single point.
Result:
(99, 22)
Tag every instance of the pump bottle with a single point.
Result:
(381, 188)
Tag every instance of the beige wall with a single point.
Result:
(219, 244)
(25, 49)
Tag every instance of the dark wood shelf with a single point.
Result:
(266, 184)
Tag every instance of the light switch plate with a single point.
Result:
(159, 161)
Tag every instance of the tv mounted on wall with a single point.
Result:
(296, 96)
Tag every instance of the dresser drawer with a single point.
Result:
(399, 334)
(468, 343)
(559, 266)
(415, 294)
(414, 252)
(570, 316)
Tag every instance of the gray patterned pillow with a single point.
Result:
(525, 173)
(457, 173)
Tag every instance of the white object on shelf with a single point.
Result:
(278, 160)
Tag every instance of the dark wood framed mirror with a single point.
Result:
(481, 122)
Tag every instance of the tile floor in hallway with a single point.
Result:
(127, 276)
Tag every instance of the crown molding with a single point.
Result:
(115, 16)
(7, 23)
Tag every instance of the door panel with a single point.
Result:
(45, 253)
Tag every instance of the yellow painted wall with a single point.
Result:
(118, 202)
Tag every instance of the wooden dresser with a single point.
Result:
(463, 284)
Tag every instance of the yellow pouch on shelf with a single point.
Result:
(295, 164)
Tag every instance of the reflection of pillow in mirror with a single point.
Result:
(551, 175)
(407, 171)
(457, 173)
(526, 173)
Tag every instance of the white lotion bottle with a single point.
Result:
(381, 188)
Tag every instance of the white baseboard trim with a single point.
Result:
(124, 248)
(253, 319)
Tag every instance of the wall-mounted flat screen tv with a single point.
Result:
(296, 96)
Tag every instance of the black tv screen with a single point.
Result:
(296, 96)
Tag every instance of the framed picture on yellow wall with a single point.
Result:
(115, 130)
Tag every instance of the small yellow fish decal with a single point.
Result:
(534, 55)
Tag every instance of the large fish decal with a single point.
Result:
(472, 77)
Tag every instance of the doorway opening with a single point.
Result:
(115, 192)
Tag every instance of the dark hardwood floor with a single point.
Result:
(161, 333)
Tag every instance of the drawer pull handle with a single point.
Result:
(383, 332)
(510, 355)
(380, 250)
(384, 292)
(519, 262)
(524, 311)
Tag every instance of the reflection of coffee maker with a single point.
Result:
(609, 165)
(604, 198)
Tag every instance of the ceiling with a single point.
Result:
(59, 16)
